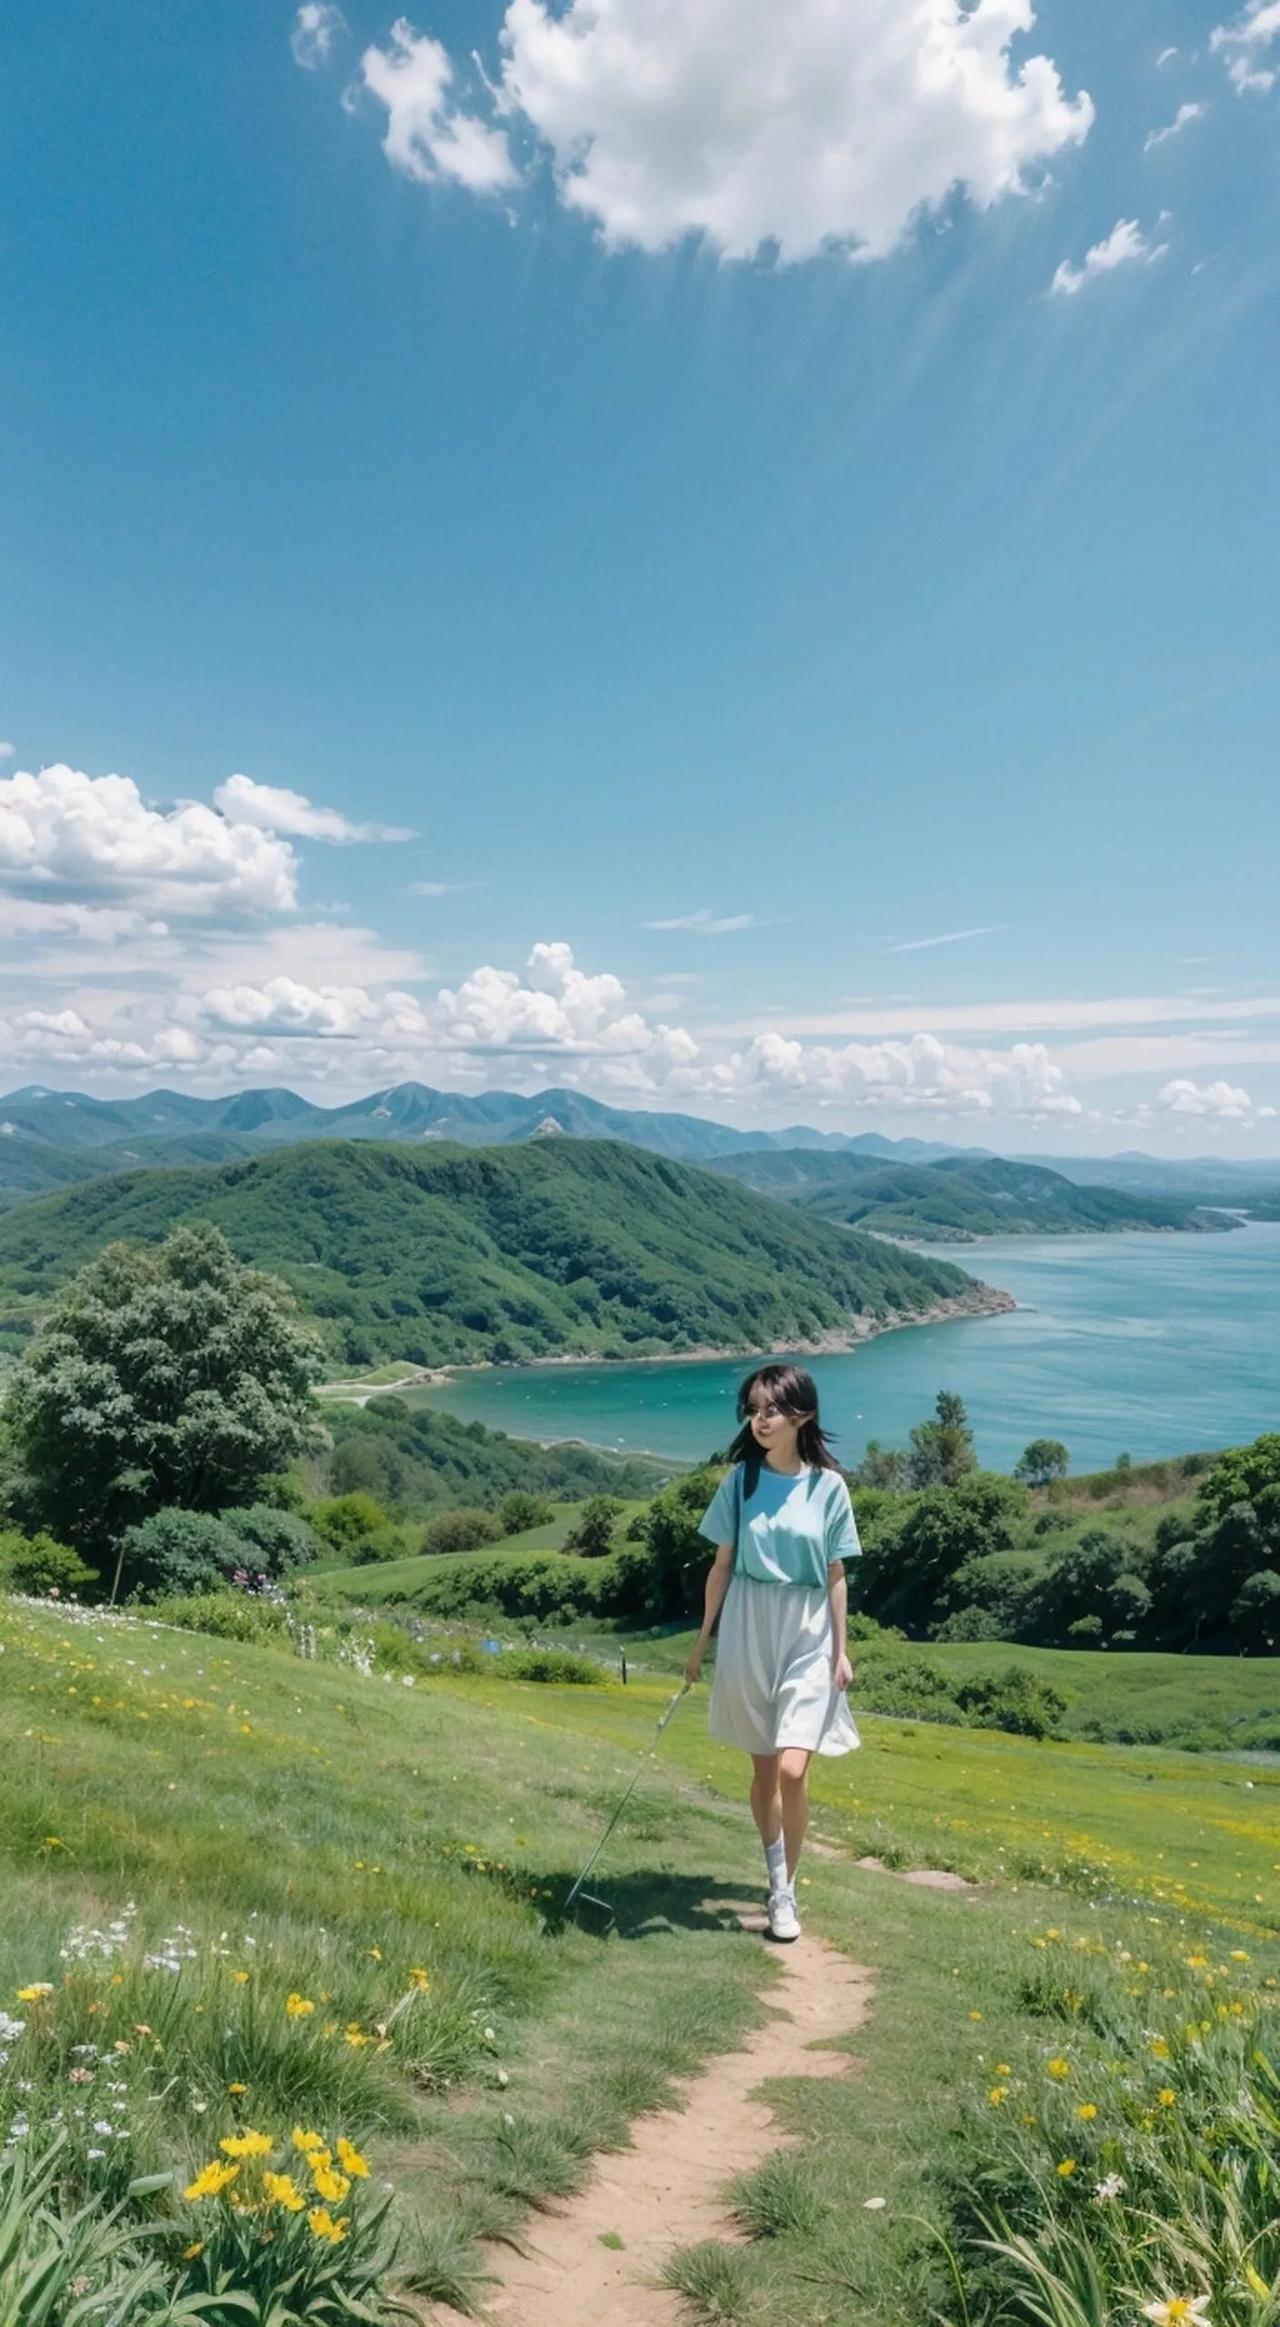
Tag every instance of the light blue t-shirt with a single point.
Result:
(790, 1530)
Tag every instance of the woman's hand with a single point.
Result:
(843, 1672)
(694, 1666)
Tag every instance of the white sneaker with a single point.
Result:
(784, 1923)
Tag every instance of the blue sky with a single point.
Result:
(730, 554)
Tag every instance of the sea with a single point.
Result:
(1146, 1345)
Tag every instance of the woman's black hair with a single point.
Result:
(790, 1387)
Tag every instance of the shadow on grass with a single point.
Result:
(643, 1904)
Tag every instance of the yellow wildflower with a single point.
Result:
(248, 2145)
(1003, 2069)
(37, 1989)
(236, 2090)
(350, 2160)
(1167, 2097)
(1239, 1955)
(282, 2191)
(196, 2247)
(976, 2015)
(354, 2035)
(306, 2142)
(420, 1979)
(298, 2006)
(1067, 2168)
(241, 1978)
(997, 2094)
(1159, 2048)
(1087, 2111)
(324, 2226)
(330, 2185)
(1059, 2069)
(211, 2181)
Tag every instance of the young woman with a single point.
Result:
(783, 1526)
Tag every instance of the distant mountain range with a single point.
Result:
(955, 1200)
(447, 1254)
(50, 1139)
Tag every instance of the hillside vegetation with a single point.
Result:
(246, 1892)
(954, 1198)
(452, 1254)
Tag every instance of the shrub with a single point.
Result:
(272, 1541)
(520, 1510)
(345, 1521)
(227, 1616)
(36, 1564)
(464, 1530)
(1015, 1699)
(179, 1551)
(592, 1530)
(552, 1664)
(972, 1623)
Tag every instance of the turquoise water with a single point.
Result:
(1148, 1345)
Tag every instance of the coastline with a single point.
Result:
(978, 1300)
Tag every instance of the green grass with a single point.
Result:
(357, 1832)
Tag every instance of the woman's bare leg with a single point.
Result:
(793, 1787)
(766, 1799)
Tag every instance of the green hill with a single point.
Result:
(953, 1197)
(452, 1254)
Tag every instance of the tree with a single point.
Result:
(942, 1451)
(678, 1556)
(592, 1530)
(906, 1572)
(164, 1376)
(1093, 1578)
(1043, 1460)
(1209, 1575)
(36, 1564)
(881, 1466)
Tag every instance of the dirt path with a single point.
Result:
(667, 2191)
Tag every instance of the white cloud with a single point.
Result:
(824, 124)
(705, 923)
(428, 135)
(923, 1072)
(315, 29)
(1220, 1102)
(65, 1038)
(1125, 244)
(1246, 46)
(952, 937)
(272, 808)
(1165, 57)
(63, 833)
(285, 1007)
(1182, 119)
(7, 750)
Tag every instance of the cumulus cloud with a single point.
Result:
(272, 808)
(1182, 119)
(429, 135)
(824, 124)
(315, 29)
(704, 923)
(65, 1038)
(1248, 46)
(63, 833)
(1219, 1102)
(923, 1072)
(1125, 245)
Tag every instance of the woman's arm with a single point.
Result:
(718, 1575)
(838, 1594)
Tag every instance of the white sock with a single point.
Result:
(775, 1858)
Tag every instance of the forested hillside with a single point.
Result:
(449, 1254)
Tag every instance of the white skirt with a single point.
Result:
(773, 1682)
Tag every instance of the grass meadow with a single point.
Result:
(252, 1900)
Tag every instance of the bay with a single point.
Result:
(1150, 1345)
